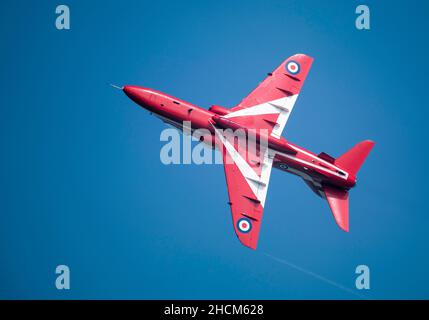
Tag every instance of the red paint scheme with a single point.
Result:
(327, 177)
(166, 106)
(339, 202)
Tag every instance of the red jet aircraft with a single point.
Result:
(266, 108)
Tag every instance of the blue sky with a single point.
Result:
(81, 182)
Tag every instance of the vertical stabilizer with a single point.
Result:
(352, 160)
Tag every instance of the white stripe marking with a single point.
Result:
(258, 185)
(283, 107)
(314, 165)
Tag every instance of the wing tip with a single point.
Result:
(345, 228)
(247, 241)
(252, 246)
(303, 55)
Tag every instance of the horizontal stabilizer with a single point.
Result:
(338, 200)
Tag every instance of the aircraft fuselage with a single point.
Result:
(288, 157)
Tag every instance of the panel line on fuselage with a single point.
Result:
(345, 176)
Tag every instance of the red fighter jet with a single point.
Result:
(266, 109)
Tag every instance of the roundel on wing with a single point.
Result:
(293, 67)
(244, 225)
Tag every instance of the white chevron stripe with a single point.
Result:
(282, 106)
(258, 185)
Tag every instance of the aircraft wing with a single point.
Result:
(270, 104)
(247, 176)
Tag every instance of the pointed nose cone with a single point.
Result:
(139, 95)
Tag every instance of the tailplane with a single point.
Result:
(352, 160)
(338, 200)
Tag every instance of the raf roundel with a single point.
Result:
(244, 225)
(293, 67)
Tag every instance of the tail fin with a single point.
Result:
(353, 159)
(338, 200)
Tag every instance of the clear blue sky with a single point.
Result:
(81, 182)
